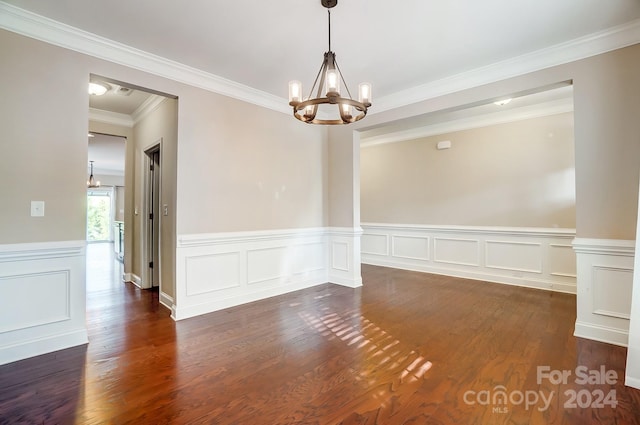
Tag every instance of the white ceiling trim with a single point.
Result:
(108, 117)
(48, 30)
(501, 117)
(124, 120)
(559, 54)
(147, 107)
(100, 171)
(32, 25)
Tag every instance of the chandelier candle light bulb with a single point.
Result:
(364, 90)
(333, 83)
(329, 79)
(295, 91)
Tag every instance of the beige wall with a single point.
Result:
(120, 195)
(158, 127)
(222, 183)
(43, 117)
(242, 167)
(607, 135)
(607, 110)
(344, 175)
(515, 174)
(236, 166)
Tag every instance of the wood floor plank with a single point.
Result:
(406, 348)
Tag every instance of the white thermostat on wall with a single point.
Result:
(445, 144)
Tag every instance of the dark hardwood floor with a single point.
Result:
(407, 348)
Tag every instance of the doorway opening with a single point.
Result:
(99, 215)
(146, 237)
(153, 195)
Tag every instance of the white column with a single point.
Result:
(632, 378)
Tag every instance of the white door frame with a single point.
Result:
(147, 254)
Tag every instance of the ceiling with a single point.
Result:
(108, 152)
(118, 98)
(394, 45)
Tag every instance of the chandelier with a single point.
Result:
(329, 79)
(92, 182)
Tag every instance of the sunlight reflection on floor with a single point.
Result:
(384, 365)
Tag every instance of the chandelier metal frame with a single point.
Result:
(329, 77)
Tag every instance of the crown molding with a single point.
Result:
(147, 107)
(501, 117)
(124, 120)
(32, 25)
(99, 171)
(559, 54)
(108, 117)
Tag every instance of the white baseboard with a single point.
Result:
(605, 334)
(166, 300)
(135, 279)
(211, 305)
(632, 382)
(43, 345)
(605, 282)
(348, 282)
(43, 303)
(529, 257)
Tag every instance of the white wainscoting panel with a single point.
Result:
(608, 283)
(532, 257)
(340, 256)
(515, 256)
(411, 247)
(42, 308)
(52, 305)
(562, 260)
(216, 271)
(212, 272)
(345, 253)
(463, 252)
(375, 244)
(605, 282)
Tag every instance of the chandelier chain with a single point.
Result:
(329, 14)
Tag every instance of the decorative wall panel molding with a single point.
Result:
(52, 286)
(216, 271)
(42, 308)
(533, 257)
(605, 276)
(345, 254)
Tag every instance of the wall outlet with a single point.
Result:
(37, 208)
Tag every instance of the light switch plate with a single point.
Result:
(37, 208)
(165, 209)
